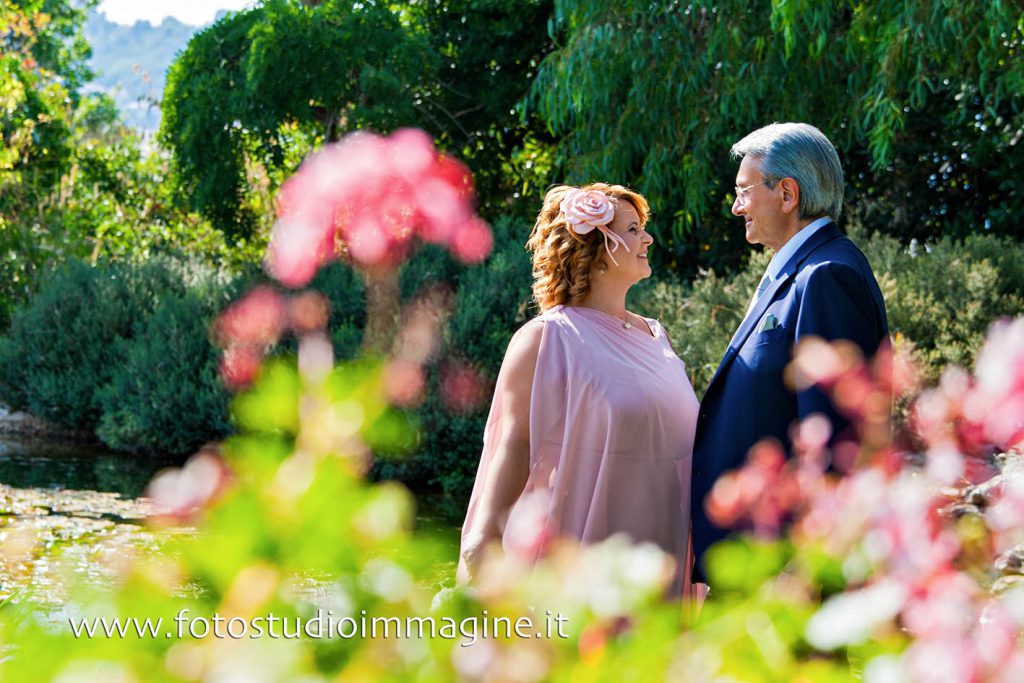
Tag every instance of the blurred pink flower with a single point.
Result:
(308, 312)
(256, 320)
(373, 195)
(473, 241)
(764, 493)
(180, 493)
(950, 660)
(995, 404)
(462, 387)
(239, 365)
(818, 362)
(298, 248)
(403, 382)
(529, 532)
(942, 607)
(1006, 513)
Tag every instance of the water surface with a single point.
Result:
(36, 463)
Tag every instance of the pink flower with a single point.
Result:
(584, 211)
(239, 365)
(529, 532)
(462, 387)
(472, 242)
(996, 403)
(371, 196)
(308, 312)
(256, 320)
(179, 493)
(403, 383)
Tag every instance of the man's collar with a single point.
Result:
(783, 255)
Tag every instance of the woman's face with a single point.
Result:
(633, 265)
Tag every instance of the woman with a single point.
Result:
(593, 414)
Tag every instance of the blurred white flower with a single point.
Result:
(850, 618)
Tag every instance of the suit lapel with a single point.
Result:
(762, 304)
(747, 326)
(827, 233)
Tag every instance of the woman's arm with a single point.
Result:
(505, 478)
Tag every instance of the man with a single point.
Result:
(789, 188)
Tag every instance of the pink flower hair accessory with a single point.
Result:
(586, 210)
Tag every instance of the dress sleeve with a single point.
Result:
(546, 393)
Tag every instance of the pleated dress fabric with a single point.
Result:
(612, 421)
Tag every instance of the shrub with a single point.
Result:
(166, 395)
(430, 265)
(345, 290)
(490, 304)
(700, 317)
(64, 346)
(122, 349)
(940, 299)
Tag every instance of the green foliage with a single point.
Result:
(251, 95)
(256, 83)
(73, 181)
(741, 565)
(922, 99)
(701, 316)
(430, 266)
(63, 348)
(123, 350)
(198, 109)
(491, 301)
(347, 294)
(166, 395)
(490, 304)
(940, 297)
(39, 70)
(488, 52)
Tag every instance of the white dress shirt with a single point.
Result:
(783, 255)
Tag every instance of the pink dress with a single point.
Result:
(612, 420)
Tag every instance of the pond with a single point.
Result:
(68, 510)
(78, 510)
(35, 463)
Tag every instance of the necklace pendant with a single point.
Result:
(627, 326)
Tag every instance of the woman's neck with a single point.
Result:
(607, 298)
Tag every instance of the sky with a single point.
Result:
(194, 12)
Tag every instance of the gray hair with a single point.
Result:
(801, 152)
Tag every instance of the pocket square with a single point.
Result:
(770, 322)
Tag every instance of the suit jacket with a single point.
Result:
(826, 290)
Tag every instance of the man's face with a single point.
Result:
(759, 205)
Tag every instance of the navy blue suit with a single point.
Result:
(826, 290)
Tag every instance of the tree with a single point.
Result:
(254, 93)
(74, 183)
(489, 53)
(258, 89)
(42, 63)
(922, 99)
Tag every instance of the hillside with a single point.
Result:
(131, 61)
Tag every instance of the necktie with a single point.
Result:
(765, 281)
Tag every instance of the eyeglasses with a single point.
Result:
(742, 192)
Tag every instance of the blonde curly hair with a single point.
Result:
(562, 260)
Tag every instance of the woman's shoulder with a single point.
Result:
(653, 323)
(554, 317)
(554, 322)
